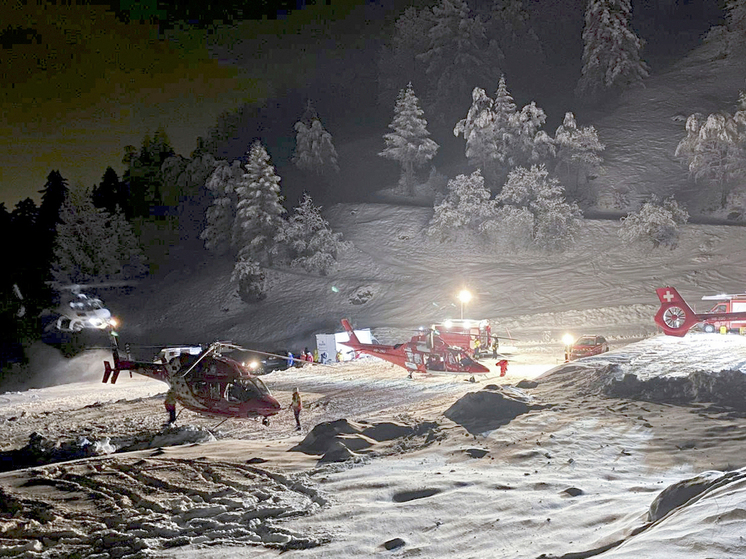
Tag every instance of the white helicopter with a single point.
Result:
(79, 311)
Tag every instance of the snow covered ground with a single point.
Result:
(568, 471)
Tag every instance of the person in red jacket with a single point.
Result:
(503, 363)
(296, 405)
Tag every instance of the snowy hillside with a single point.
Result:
(396, 279)
(641, 132)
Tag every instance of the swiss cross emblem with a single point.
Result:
(668, 296)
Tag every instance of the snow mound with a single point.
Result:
(490, 408)
(688, 513)
(340, 440)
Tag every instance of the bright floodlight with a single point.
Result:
(568, 339)
(113, 322)
(464, 296)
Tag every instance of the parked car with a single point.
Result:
(263, 364)
(588, 345)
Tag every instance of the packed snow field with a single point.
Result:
(432, 466)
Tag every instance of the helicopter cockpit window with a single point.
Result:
(465, 360)
(244, 390)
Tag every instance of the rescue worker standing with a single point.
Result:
(296, 405)
(170, 405)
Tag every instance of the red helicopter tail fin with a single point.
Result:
(107, 371)
(353, 342)
(674, 316)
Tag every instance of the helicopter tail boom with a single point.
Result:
(354, 342)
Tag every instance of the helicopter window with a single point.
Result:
(465, 360)
(258, 385)
(244, 390)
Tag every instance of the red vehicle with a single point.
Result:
(464, 333)
(728, 304)
(588, 345)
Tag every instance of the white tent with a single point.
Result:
(331, 343)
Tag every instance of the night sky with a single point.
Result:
(80, 82)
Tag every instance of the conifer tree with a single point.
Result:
(578, 153)
(498, 137)
(714, 150)
(93, 244)
(458, 57)
(314, 151)
(555, 222)
(221, 214)
(409, 143)
(478, 129)
(611, 56)
(259, 209)
(508, 24)
(53, 197)
(109, 193)
(465, 209)
(309, 240)
(399, 61)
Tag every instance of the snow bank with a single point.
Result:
(340, 440)
(489, 408)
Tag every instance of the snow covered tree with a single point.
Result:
(259, 208)
(465, 209)
(94, 245)
(532, 145)
(409, 143)
(578, 156)
(458, 56)
(314, 151)
(479, 131)
(250, 279)
(555, 222)
(611, 56)
(310, 241)
(713, 150)
(657, 222)
(221, 214)
(499, 137)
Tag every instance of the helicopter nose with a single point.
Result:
(478, 368)
(271, 403)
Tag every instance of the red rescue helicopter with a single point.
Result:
(676, 318)
(206, 382)
(424, 353)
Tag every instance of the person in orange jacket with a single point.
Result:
(296, 405)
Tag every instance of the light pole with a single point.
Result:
(464, 296)
(568, 340)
